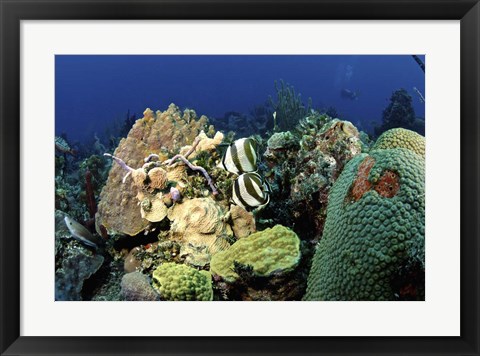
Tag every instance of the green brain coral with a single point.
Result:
(401, 138)
(373, 241)
(181, 282)
(269, 251)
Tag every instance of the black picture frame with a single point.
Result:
(11, 14)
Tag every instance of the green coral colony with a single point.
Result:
(311, 211)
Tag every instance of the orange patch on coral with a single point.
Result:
(361, 185)
(388, 184)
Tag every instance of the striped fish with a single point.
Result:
(240, 157)
(249, 191)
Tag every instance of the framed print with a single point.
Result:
(239, 177)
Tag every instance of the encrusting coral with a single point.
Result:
(181, 282)
(373, 242)
(272, 251)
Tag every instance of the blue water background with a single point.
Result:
(93, 92)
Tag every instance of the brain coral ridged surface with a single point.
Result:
(401, 138)
(181, 282)
(274, 250)
(373, 242)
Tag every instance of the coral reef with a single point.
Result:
(373, 241)
(268, 252)
(181, 282)
(136, 287)
(401, 138)
(303, 165)
(162, 133)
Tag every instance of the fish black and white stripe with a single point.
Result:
(250, 191)
(241, 156)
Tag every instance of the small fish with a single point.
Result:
(62, 146)
(240, 157)
(249, 191)
(80, 233)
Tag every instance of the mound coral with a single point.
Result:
(373, 241)
(135, 286)
(272, 251)
(401, 138)
(181, 282)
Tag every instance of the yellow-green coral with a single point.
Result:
(372, 235)
(401, 138)
(268, 251)
(181, 282)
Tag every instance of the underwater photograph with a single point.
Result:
(240, 177)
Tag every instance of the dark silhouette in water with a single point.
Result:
(400, 113)
(348, 94)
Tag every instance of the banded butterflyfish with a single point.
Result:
(240, 156)
(250, 191)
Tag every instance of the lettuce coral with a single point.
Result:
(373, 242)
(177, 282)
(271, 251)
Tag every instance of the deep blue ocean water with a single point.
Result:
(93, 92)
